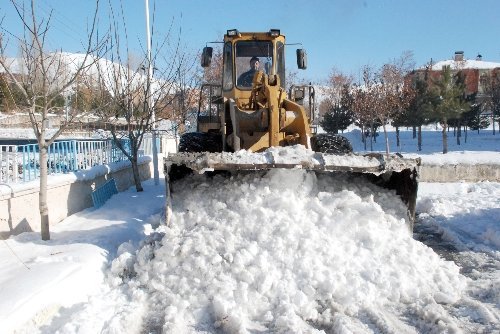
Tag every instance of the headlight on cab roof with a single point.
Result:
(274, 32)
(233, 33)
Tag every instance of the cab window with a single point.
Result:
(247, 53)
(280, 60)
(227, 79)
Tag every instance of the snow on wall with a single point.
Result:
(67, 194)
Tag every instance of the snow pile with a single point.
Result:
(297, 156)
(307, 157)
(284, 252)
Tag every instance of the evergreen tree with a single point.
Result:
(475, 119)
(420, 107)
(452, 103)
(339, 115)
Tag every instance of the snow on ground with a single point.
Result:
(480, 147)
(39, 278)
(283, 251)
(461, 222)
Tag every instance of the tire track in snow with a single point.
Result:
(478, 308)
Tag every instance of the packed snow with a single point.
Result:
(283, 251)
(296, 156)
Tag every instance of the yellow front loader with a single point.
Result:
(250, 110)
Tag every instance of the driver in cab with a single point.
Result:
(245, 79)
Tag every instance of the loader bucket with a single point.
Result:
(391, 172)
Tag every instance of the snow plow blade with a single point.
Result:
(391, 172)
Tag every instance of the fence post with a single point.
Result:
(15, 167)
(75, 155)
(24, 163)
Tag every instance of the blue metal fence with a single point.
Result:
(21, 163)
(104, 192)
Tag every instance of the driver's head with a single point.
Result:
(254, 63)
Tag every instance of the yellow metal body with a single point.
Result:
(259, 116)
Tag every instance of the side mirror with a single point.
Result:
(301, 59)
(206, 56)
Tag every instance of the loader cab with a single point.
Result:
(252, 56)
(239, 107)
(238, 51)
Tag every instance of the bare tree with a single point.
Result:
(213, 73)
(44, 76)
(393, 92)
(382, 96)
(130, 98)
(332, 91)
(185, 102)
(491, 89)
(366, 104)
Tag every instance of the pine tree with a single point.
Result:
(339, 115)
(452, 103)
(419, 110)
(475, 119)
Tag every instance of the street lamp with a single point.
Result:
(153, 118)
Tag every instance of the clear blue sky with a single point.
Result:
(345, 34)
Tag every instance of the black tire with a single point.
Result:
(200, 142)
(195, 142)
(331, 143)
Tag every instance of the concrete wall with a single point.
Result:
(462, 172)
(19, 209)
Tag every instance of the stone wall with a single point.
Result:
(460, 172)
(19, 208)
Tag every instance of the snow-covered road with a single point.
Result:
(460, 222)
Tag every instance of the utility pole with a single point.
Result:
(150, 77)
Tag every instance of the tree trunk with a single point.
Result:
(386, 136)
(414, 132)
(465, 131)
(445, 136)
(459, 133)
(176, 134)
(137, 178)
(398, 143)
(493, 121)
(419, 138)
(371, 136)
(494, 114)
(42, 195)
(363, 137)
